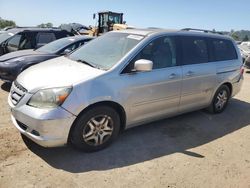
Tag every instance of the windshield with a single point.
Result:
(4, 36)
(55, 46)
(107, 50)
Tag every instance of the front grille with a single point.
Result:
(17, 92)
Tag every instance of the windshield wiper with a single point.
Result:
(90, 64)
(87, 63)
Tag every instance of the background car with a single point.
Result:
(29, 38)
(14, 63)
(247, 62)
(244, 50)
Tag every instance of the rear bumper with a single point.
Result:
(236, 87)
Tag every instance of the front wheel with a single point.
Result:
(95, 129)
(220, 100)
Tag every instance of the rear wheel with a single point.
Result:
(95, 129)
(220, 100)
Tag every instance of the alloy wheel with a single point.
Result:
(98, 130)
(221, 99)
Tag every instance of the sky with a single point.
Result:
(222, 15)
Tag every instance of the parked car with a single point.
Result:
(14, 63)
(29, 38)
(247, 43)
(247, 62)
(244, 51)
(123, 79)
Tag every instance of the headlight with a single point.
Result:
(13, 61)
(49, 98)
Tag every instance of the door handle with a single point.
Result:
(190, 73)
(172, 76)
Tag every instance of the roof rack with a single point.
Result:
(33, 27)
(202, 30)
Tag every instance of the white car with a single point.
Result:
(244, 50)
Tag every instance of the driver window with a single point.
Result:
(161, 51)
(13, 43)
(26, 42)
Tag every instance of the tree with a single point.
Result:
(235, 36)
(45, 25)
(6, 23)
(246, 38)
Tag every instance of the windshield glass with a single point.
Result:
(4, 36)
(55, 46)
(107, 50)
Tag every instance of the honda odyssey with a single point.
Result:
(123, 79)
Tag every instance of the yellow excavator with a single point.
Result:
(107, 21)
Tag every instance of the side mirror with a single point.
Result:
(4, 44)
(143, 65)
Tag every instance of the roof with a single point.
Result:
(152, 31)
(79, 37)
(19, 29)
(108, 11)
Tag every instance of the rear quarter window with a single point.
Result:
(62, 34)
(223, 50)
(44, 38)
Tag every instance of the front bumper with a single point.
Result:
(48, 128)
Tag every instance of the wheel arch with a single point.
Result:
(228, 84)
(230, 87)
(116, 106)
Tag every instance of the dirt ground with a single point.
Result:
(192, 150)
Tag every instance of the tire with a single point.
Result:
(220, 100)
(95, 129)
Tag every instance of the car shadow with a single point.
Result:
(6, 86)
(154, 140)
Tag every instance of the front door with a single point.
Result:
(155, 93)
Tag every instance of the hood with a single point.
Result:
(20, 53)
(57, 72)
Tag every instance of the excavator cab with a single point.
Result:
(107, 19)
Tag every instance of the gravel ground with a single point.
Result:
(192, 150)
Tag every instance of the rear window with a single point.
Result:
(223, 50)
(194, 50)
(62, 34)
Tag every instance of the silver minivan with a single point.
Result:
(124, 79)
